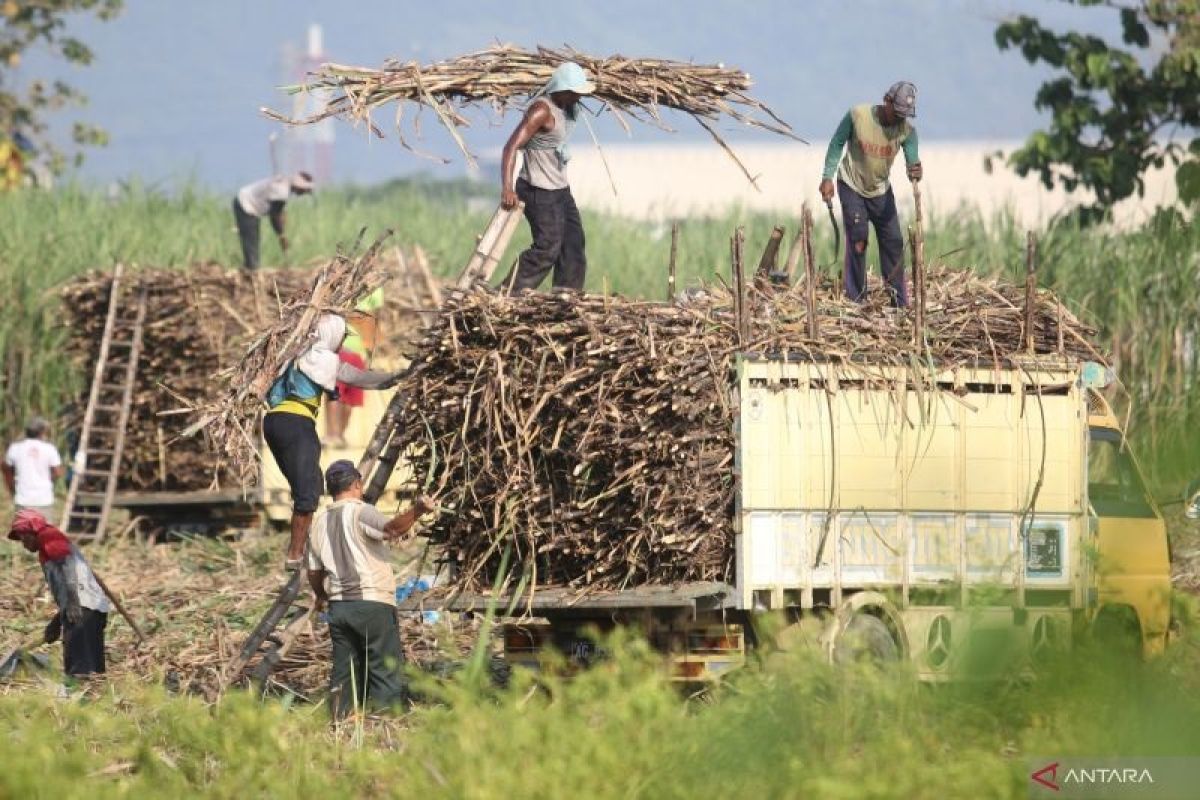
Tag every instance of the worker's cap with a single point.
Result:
(570, 77)
(302, 182)
(25, 521)
(37, 426)
(340, 476)
(903, 97)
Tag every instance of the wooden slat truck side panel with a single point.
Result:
(877, 477)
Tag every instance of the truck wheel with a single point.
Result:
(806, 635)
(1117, 631)
(865, 639)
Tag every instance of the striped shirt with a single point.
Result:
(347, 542)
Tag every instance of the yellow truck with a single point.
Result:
(900, 514)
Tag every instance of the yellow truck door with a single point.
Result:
(1133, 570)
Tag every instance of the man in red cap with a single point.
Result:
(82, 607)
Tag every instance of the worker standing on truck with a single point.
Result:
(871, 136)
(290, 426)
(82, 606)
(31, 466)
(349, 548)
(554, 221)
(265, 198)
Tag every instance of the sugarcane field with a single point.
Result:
(619, 400)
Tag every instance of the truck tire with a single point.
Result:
(805, 637)
(865, 639)
(1117, 631)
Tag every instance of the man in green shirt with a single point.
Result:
(872, 135)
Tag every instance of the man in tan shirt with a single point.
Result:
(348, 546)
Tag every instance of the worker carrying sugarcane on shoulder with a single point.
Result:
(290, 424)
(554, 221)
(872, 135)
(266, 198)
(350, 549)
(82, 605)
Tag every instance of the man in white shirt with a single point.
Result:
(265, 198)
(31, 466)
(348, 547)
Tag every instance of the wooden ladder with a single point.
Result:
(102, 440)
(490, 246)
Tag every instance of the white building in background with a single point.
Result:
(662, 181)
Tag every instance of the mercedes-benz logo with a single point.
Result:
(937, 641)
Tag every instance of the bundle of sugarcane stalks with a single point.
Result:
(588, 440)
(503, 75)
(199, 321)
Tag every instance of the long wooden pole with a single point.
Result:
(671, 266)
(1030, 288)
(810, 271)
(916, 238)
(120, 608)
(739, 285)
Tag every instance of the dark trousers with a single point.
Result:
(558, 241)
(858, 213)
(292, 439)
(248, 230)
(83, 644)
(367, 659)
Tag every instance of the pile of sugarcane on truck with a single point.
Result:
(894, 514)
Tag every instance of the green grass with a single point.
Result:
(797, 729)
(1139, 287)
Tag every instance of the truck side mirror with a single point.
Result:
(1191, 500)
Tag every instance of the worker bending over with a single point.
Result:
(265, 198)
(290, 426)
(554, 221)
(871, 136)
(82, 606)
(349, 548)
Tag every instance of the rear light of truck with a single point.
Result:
(524, 639)
(688, 669)
(711, 642)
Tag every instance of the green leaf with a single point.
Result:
(1187, 182)
(1133, 31)
(1098, 66)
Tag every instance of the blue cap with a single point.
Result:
(570, 77)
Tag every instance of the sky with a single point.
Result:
(178, 84)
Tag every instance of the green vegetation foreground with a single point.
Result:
(796, 729)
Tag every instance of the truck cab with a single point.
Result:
(1131, 600)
